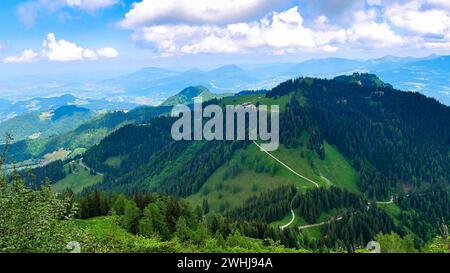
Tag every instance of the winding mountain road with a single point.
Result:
(333, 219)
(292, 171)
(290, 222)
(87, 168)
(391, 201)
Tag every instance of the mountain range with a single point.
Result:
(425, 75)
(9, 109)
(152, 85)
(35, 124)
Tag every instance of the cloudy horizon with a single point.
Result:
(96, 35)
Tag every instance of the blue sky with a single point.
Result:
(84, 36)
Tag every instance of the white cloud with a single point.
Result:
(28, 56)
(107, 52)
(366, 33)
(205, 26)
(62, 51)
(91, 5)
(440, 3)
(414, 18)
(195, 11)
(281, 32)
(372, 35)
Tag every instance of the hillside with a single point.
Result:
(10, 109)
(352, 142)
(353, 106)
(187, 95)
(81, 136)
(46, 124)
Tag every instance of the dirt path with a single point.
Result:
(87, 168)
(295, 173)
(287, 167)
(333, 219)
(290, 222)
(391, 201)
(327, 180)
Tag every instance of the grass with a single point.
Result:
(333, 170)
(225, 193)
(393, 210)
(336, 168)
(237, 100)
(114, 161)
(76, 181)
(101, 226)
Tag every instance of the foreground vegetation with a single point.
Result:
(38, 221)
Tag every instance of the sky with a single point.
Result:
(91, 36)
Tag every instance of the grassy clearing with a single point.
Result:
(237, 100)
(79, 179)
(336, 168)
(393, 210)
(224, 193)
(114, 161)
(102, 226)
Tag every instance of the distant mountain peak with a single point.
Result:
(363, 79)
(187, 95)
(67, 111)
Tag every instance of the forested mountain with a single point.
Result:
(82, 136)
(46, 124)
(360, 141)
(9, 109)
(187, 95)
(393, 138)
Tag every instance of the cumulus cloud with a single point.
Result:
(280, 32)
(107, 52)
(27, 56)
(196, 11)
(174, 27)
(427, 22)
(62, 51)
(367, 33)
(412, 17)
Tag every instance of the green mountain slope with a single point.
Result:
(77, 177)
(374, 122)
(83, 135)
(186, 96)
(251, 171)
(46, 124)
